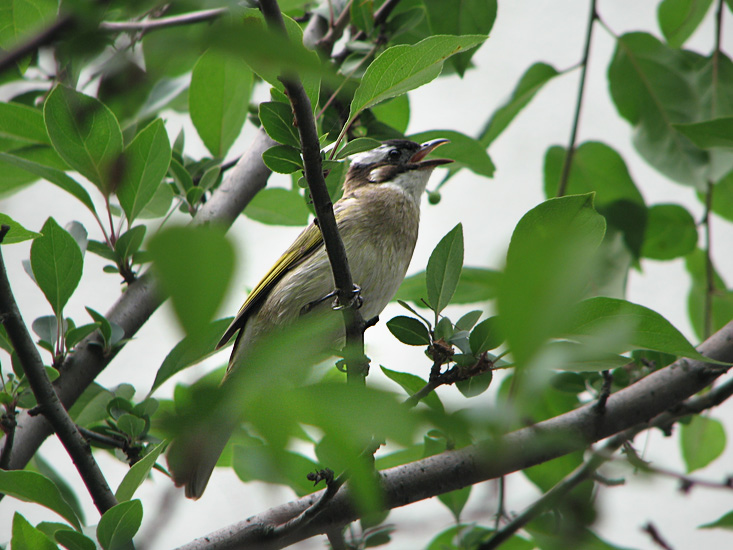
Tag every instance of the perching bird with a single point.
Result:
(378, 219)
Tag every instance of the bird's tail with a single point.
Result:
(193, 456)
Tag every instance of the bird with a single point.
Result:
(378, 218)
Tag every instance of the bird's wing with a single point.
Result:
(305, 245)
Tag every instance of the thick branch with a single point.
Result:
(322, 204)
(46, 397)
(636, 405)
(141, 299)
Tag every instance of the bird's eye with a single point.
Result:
(393, 155)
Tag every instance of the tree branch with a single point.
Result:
(48, 402)
(163, 22)
(636, 405)
(356, 363)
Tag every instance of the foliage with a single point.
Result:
(92, 113)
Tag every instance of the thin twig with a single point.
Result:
(335, 31)
(356, 362)
(656, 537)
(380, 17)
(562, 186)
(709, 270)
(163, 22)
(48, 401)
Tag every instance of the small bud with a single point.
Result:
(433, 197)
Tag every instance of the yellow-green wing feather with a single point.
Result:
(306, 243)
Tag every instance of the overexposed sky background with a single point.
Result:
(525, 32)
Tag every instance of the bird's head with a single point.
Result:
(397, 162)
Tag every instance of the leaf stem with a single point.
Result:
(567, 163)
(709, 270)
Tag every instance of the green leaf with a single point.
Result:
(131, 425)
(130, 241)
(17, 233)
(461, 17)
(678, 19)
(277, 120)
(357, 145)
(534, 303)
(456, 500)
(77, 334)
(653, 88)
(73, 540)
(191, 350)
(722, 298)
(723, 522)
(475, 385)
(218, 99)
(402, 68)
(19, 20)
(53, 175)
(394, 112)
(22, 123)
(282, 159)
(33, 487)
(476, 284)
(409, 330)
(529, 84)
(709, 134)
(413, 384)
(277, 206)
(145, 163)
(27, 537)
(486, 336)
(56, 261)
(85, 134)
(195, 266)
(645, 329)
(91, 407)
(138, 473)
(119, 524)
(265, 463)
(464, 150)
(444, 269)
(362, 15)
(702, 440)
(671, 232)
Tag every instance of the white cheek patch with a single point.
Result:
(369, 157)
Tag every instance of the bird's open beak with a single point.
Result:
(425, 149)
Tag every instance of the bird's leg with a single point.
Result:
(355, 298)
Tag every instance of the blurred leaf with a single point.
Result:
(708, 134)
(73, 540)
(475, 284)
(277, 206)
(413, 384)
(267, 464)
(402, 68)
(456, 500)
(444, 269)
(486, 336)
(475, 385)
(461, 17)
(131, 425)
(91, 407)
(561, 235)
(27, 537)
(468, 321)
(409, 330)
(86, 135)
(191, 350)
(218, 99)
(146, 162)
(20, 19)
(119, 524)
(702, 440)
(282, 159)
(195, 265)
(20, 122)
(464, 150)
(33, 487)
(653, 88)
(40, 465)
(647, 329)
(529, 84)
(671, 232)
(277, 120)
(721, 297)
(57, 264)
(678, 19)
(53, 175)
(138, 473)
(723, 522)
(17, 233)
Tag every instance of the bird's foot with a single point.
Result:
(355, 300)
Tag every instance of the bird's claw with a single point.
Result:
(354, 300)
